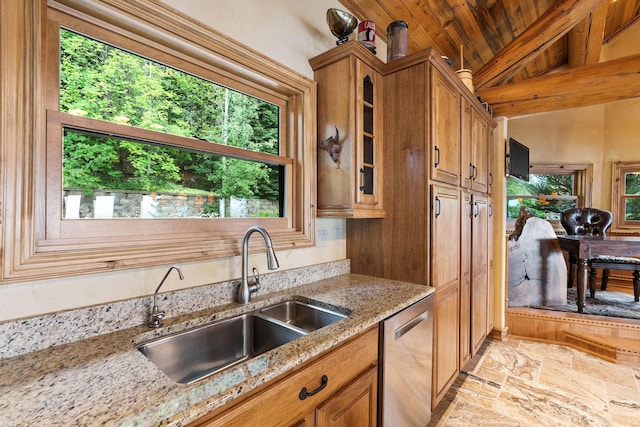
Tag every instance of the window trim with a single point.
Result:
(618, 169)
(31, 252)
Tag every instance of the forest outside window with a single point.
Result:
(143, 144)
(626, 196)
(113, 174)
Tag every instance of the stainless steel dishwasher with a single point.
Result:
(406, 350)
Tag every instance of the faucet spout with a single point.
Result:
(246, 289)
(156, 316)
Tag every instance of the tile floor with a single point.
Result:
(526, 383)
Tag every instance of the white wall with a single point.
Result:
(290, 32)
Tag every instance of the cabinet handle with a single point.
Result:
(490, 179)
(438, 207)
(474, 172)
(437, 162)
(361, 179)
(491, 210)
(476, 210)
(471, 167)
(304, 393)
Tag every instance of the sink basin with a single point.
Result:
(302, 315)
(193, 354)
(196, 353)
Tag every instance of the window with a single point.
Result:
(626, 195)
(124, 142)
(160, 176)
(550, 190)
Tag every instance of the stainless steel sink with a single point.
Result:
(302, 315)
(196, 353)
(191, 355)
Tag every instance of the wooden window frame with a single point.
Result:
(618, 170)
(37, 242)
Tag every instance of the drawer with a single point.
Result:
(280, 403)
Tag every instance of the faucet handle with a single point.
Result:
(255, 286)
(155, 318)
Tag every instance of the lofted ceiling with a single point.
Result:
(527, 56)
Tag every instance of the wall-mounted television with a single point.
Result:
(517, 160)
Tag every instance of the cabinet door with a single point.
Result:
(479, 149)
(355, 405)
(445, 130)
(445, 352)
(479, 268)
(467, 170)
(465, 279)
(445, 277)
(445, 237)
(369, 121)
(490, 290)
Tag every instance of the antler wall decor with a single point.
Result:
(331, 146)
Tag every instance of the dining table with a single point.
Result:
(583, 248)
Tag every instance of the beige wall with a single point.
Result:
(600, 134)
(290, 33)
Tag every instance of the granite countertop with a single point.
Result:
(105, 380)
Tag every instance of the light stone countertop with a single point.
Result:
(105, 380)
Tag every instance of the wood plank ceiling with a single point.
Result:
(527, 56)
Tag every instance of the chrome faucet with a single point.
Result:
(155, 315)
(246, 289)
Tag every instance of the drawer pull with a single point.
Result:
(304, 393)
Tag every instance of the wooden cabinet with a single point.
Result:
(480, 271)
(445, 129)
(445, 277)
(491, 269)
(431, 235)
(465, 277)
(350, 101)
(354, 406)
(346, 380)
(474, 164)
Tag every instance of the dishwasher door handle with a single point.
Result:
(398, 333)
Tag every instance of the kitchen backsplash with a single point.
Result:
(38, 333)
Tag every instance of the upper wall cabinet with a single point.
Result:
(474, 164)
(350, 138)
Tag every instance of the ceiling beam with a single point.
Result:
(578, 87)
(586, 38)
(546, 30)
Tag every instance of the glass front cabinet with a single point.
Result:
(350, 133)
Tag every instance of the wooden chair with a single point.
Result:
(584, 222)
(595, 222)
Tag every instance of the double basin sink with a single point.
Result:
(191, 355)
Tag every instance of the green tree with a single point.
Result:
(103, 82)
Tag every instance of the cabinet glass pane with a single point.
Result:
(367, 90)
(368, 150)
(367, 180)
(367, 120)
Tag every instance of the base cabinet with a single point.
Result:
(349, 396)
(355, 405)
